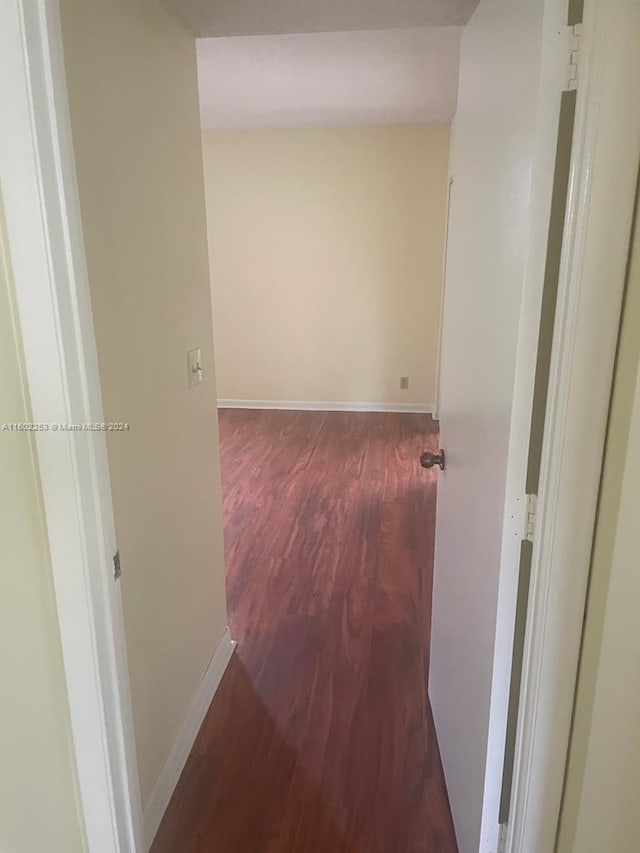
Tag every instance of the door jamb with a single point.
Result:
(450, 182)
(44, 233)
(605, 158)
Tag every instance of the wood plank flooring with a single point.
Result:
(320, 738)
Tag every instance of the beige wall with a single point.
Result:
(39, 807)
(326, 261)
(600, 811)
(134, 107)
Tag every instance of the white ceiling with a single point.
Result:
(267, 17)
(407, 76)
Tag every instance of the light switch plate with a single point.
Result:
(194, 366)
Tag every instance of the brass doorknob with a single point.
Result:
(430, 460)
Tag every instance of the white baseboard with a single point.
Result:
(322, 406)
(185, 738)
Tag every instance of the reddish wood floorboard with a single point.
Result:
(320, 738)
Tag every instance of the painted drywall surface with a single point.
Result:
(370, 77)
(39, 805)
(134, 107)
(600, 809)
(326, 261)
(222, 18)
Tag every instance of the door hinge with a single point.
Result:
(502, 838)
(117, 571)
(575, 44)
(530, 517)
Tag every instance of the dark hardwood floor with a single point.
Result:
(320, 738)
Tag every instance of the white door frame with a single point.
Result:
(602, 189)
(48, 263)
(49, 267)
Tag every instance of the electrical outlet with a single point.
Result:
(194, 366)
(404, 383)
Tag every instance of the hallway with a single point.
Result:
(320, 738)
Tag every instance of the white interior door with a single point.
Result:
(502, 160)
